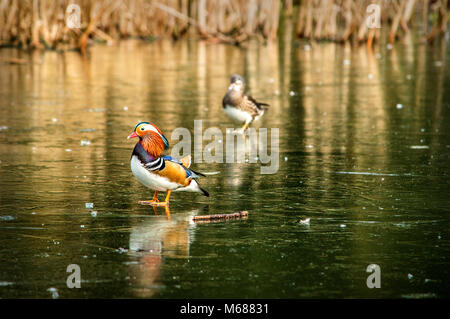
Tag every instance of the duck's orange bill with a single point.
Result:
(132, 135)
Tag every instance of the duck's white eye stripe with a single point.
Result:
(149, 127)
(153, 129)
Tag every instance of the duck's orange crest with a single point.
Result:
(153, 144)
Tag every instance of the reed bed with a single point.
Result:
(347, 20)
(43, 23)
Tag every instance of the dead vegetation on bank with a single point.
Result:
(44, 23)
(348, 20)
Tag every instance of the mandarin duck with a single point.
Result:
(240, 107)
(160, 173)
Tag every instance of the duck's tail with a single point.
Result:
(204, 192)
(197, 188)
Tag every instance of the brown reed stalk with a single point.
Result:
(399, 11)
(441, 21)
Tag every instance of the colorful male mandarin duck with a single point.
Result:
(160, 173)
(240, 107)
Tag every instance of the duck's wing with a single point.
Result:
(177, 172)
(259, 105)
(250, 105)
(184, 162)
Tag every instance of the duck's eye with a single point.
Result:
(142, 128)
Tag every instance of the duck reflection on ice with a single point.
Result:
(165, 235)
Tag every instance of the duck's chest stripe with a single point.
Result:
(156, 165)
(148, 161)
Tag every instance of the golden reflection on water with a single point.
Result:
(173, 83)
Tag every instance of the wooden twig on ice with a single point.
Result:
(220, 216)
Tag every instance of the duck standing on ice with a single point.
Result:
(240, 107)
(160, 173)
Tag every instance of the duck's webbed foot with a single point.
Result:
(166, 200)
(153, 202)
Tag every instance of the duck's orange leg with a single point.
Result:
(154, 201)
(166, 201)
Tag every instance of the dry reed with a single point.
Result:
(346, 20)
(43, 23)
